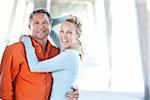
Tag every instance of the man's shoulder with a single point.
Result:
(18, 46)
(55, 49)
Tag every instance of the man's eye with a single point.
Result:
(45, 22)
(35, 23)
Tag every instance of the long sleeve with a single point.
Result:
(9, 70)
(67, 59)
(59, 20)
(55, 38)
(53, 34)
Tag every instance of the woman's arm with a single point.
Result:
(67, 59)
(54, 36)
(59, 20)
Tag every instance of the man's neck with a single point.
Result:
(42, 43)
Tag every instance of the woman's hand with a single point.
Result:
(73, 95)
(22, 37)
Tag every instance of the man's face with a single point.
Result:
(40, 26)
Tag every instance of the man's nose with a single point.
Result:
(41, 26)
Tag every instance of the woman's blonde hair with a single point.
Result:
(78, 45)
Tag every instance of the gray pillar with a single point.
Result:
(143, 40)
(40, 3)
(109, 37)
(149, 52)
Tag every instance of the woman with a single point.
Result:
(65, 66)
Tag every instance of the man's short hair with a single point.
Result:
(40, 10)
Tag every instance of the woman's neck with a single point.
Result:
(64, 49)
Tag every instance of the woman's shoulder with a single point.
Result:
(71, 55)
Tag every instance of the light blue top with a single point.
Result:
(64, 68)
(58, 20)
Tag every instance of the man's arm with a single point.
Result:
(66, 59)
(6, 76)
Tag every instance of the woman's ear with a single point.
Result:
(78, 36)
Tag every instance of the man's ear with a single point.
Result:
(29, 26)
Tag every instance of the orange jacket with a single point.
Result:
(16, 80)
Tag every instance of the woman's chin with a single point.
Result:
(65, 47)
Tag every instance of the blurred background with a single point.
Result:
(115, 38)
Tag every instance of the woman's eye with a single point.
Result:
(69, 32)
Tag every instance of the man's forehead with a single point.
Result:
(40, 14)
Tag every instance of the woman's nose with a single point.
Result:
(64, 34)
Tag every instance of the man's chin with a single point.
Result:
(40, 37)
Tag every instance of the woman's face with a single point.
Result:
(67, 35)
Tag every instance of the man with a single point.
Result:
(16, 80)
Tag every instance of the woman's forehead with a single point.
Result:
(68, 25)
